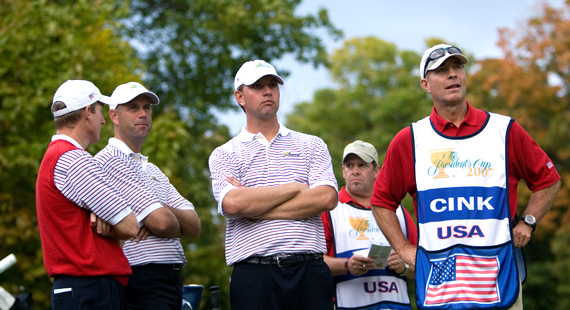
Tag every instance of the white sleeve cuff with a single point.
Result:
(186, 207)
(148, 210)
(321, 183)
(223, 193)
(120, 216)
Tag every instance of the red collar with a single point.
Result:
(473, 121)
(344, 197)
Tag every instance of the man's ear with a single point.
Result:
(425, 85)
(87, 112)
(113, 116)
(238, 95)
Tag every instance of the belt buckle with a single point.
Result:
(176, 266)
(278, 259)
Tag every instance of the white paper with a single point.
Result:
(378, 252)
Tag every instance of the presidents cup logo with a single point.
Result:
(449, 158)
(362, 225)
(440, 160)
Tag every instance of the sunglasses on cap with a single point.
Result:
(440, 52)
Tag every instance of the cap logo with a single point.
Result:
(259, 64)
(91, 96)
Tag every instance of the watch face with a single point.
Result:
(529, 219)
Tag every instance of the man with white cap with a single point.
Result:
(462, 166)
(72, 191)
(351, 227)
(156, 256)
(274, 236)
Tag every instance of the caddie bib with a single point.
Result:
(465, 257)
(353, 228)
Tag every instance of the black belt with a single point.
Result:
(283, 260)
(165, 266)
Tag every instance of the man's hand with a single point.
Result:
(358, 265)
(99, 226)
(521, 234)
(233, 181)
(105, 229)
(396, 263)
(143, 234)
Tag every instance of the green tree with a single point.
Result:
(43, 44)
(378, 94)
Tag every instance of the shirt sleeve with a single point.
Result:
(528, 161)
(320, 166)
(81, 179)
(172, 198)
(131, 184)
(220, 168)
(396, 178)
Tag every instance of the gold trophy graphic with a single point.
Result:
(441, 159)
(360, 224)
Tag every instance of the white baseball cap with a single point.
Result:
(434, 62)
(364, 150)
(252, 71)
(77, 94)
(129, 91)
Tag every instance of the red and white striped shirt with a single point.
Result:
(82, 180)
(290, 157)
(145, 187)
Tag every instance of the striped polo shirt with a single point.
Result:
(290, 157)
(81, 180)
(145, 187)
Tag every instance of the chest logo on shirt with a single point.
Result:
(449, 158)
(292, 154)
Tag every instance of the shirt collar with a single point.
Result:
(66, 138)
(344, 197)
(440, 123)
(122, 146)
(246, 136)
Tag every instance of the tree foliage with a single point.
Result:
(186, 51)
(378, 95)
(194, 48)
(42, 44)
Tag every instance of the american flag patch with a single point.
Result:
(463, 278)
(549, 165)
(91, 96)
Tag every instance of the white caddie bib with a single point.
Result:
(353, 228)
(465, 256)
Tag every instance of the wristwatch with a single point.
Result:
(530, 220)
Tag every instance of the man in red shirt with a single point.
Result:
(452, 133)
(73, 197)
(350, 227)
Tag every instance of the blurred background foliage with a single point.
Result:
(188, 52)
